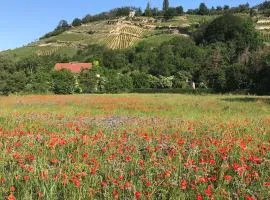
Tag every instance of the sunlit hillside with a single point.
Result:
(124, 32)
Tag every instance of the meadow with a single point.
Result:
(135, 146)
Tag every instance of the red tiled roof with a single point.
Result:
(73, 67)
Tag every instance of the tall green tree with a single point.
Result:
(4, 87)
(63, 24)
(179, 10)
(236, 31)
(203, 10)
(170, 13)
(88, 80)
(165, 5)
(77, 22)
(148, 11)
(226, 7)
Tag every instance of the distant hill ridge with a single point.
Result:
(116, 30)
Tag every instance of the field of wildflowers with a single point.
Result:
(158, 146)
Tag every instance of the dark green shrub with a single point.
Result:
(234, 29)
(63, 82)
(140, 80)
(88, 81)
(237, 77)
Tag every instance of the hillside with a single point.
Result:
(263, 26)
(213, 52)
(115, 34)
(124, 32)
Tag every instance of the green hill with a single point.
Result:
(124, 32)
(115, 34)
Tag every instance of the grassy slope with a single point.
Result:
(218, 107)
(96, 33)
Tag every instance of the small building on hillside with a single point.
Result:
(132, 13)
(74, 67)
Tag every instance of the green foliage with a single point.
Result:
(117, 12)
(11, 79)
(226, 7)
(126, 83)
(77, 22)
(214, 78)
(114, 59)
(225, 58)
(260, 72)
(155, 12)
(40, 82)
(29, 64)
(140, 79)
(170, 13)
(4, 88)
(237, 77)
(181, 79)
(148, 11)
(116, 82)
(138, 12)
(154, 81)
(92, 53)
(165, 5)
(63, 82)
(62, 27)
(124, 11)
(203, 10)
(88, 80)
(265, 5)
(180, 10)
(177, 54)
(165, 82)
(264, 8)
(16, 82)
(232, 29)
(112, 83)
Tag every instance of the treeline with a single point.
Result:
(204, 10)
(224, 56)
(264, 8)
(114, 13)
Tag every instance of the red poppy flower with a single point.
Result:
(208, 190)
(228, 177)
(12, 189)
(148, 184)
(138, 195)
(267, 184)
(250, 198)
(115, 194)
(184, 184)
(128, 158)
(11, 197)
(199, 197)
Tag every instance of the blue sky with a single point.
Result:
(23, 21)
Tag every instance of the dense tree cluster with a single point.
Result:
(204, 10)
(238, 31)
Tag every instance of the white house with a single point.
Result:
(132, 13)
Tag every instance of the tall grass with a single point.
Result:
(131, 146)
